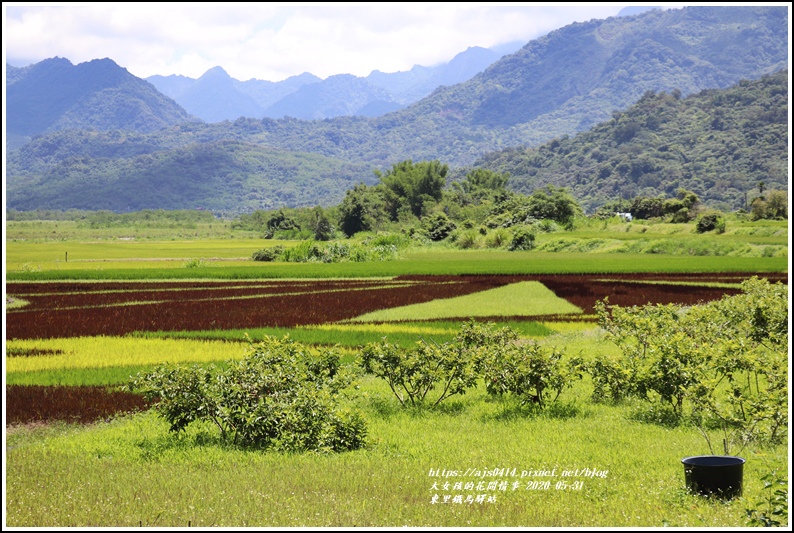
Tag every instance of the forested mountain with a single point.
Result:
(225, 177)
(718, 144)
(561, 84)
(55, 95)
(267, 93)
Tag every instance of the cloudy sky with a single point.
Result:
(272, 41)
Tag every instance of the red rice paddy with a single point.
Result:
(108, 308)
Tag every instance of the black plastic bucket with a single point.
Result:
(718, 475)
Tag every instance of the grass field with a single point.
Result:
(132, 472)
(578, 464)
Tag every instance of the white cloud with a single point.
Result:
(273, 41)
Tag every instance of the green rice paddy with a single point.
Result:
(528, 298)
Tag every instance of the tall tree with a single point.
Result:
(415, 185)
(361, 210)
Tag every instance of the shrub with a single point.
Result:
(498, 238)
(523, 239)
(437, 226)
(528, 371)
(195, 263)
(728, 359)
(398, 240)
(412, 374)
(268, 254)
(279, 395)
(710, 221)
(547, 226)
(467, 239)
(611, 379)
(335, 252)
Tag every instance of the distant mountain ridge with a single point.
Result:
(216, 96)
(54, 94)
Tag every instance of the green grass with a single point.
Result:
(115, 375)
(352, 335)
(72, 230)
(452, 262)
(132, 472)
(95, 253)
(529, 298)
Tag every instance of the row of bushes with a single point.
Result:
(726, 361)
(335, 252)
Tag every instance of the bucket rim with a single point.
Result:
(731, 460)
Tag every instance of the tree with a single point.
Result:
(279, 221)
(438, 226)
(361, 210)
(553, 203)
(480, 184)
(777, 204)
(688, 198)
(643, 207)
(321, 226)
(773, 206)
(416, 185)
(709, 221)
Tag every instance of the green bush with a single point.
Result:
(467, 239)
(710, 221)
(414, 373)
(279, 395)
(529, 372)
(523, 239)
(334, 252)
(726, 359)
(268, 254)
(437, 226)
(613, 380)
(195, 263)
(498, 238)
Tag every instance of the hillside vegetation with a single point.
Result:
(718, 143)
(225, 177)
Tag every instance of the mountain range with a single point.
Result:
(563, 83)
(216, 96)
(55, 95)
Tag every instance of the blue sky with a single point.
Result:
(272, 41)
